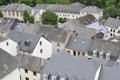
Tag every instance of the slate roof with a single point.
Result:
(31, 63)
(71, 8)
(98, 27)
(79, 67)
(7, 23)
(8, 63)
(78, 25)
(3, 38)
(108, 73)
(54, 34)
(93, 9)
(17, 7)
(112, 22)
(79, 43)
(106, 46)
(27, 42)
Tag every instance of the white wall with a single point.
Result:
(96, 15)
(46, 49)
(29, 75)
(10, 48)
(13, 75)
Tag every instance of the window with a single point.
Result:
(74, 53)
(34, 73)
(95, 53)
(41, 50)
(111, 34)
(26, 71)
(68, 51)
(45, 77)
(7, 43)
(58, 44)
(108, 55)
(40, 42)
(17, 13)
(13, 13)
(83, 54)
(26, 78)
(9, 13)
(113, 30)
(101, 54)
(78, 53)
(58, 50)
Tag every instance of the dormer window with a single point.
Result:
(45, 77)
(95, 52)
(7, 43)
(108, 55)
(101, 54)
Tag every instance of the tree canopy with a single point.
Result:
(49, 18)
(28, 17)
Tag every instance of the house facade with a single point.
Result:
(113, 25)
(95, 11)
(34, 45)
(30, 71)
(14, 10)
(70, 11)
(9, 46)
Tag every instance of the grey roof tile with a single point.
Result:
(8, 63)
(31, 63)
(27, 42)
(112, 22)
(91, 9)
(65, 63)
(79, 43)
(17, 7)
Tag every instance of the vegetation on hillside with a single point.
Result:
(110, 7)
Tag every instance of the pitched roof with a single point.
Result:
(3, 38)
(78, 25)
(8, 63)
(106, 46)
(17, 7)
(30, 62)
(79, 43)
(71, 8)
(91, 9)
(98, 27)
(109, 73)
(54, 34)
(7, 23)
(112, 22)
(27, 42)
(80, 67)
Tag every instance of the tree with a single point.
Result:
(49, 18)
(26, 16)
(62, 20)
(31, 19)
(1, 15)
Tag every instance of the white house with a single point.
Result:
(9, 67)
(95, 11)
(9, 46)
(113, 25)
(30, 44)
(14, 10)
(31, 67)
(70, 11)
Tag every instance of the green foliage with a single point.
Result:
(31, 19)
(27, 17)
(1, 15)
(62, 20)
(49, 18)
